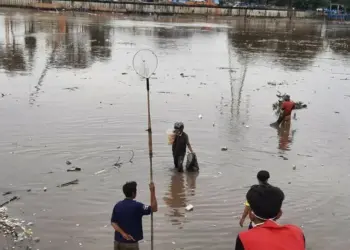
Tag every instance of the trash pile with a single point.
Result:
(15, 229)
(277, 105)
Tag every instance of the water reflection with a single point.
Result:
(285, 136)
(70, 45)
(178, 194)
(11, 52)
(30, 40)
(338, 40)
(293, 46)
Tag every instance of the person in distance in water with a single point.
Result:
(265, 203)
(286, 107)
(181, 142)
(127, 217)
(263, 177)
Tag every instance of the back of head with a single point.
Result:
(265, 201)
(263, 176)
(287, 98)
(129, 189)
(179, 125)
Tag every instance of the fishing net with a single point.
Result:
(145, 63)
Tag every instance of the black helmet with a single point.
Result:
(287, 97)
(179, 125)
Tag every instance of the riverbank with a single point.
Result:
(155, 8)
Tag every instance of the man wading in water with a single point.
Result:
(286, 107)
(180, 143)
(265, 203)
(262, 176)
(127, 217)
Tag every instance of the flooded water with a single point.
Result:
(69, 92)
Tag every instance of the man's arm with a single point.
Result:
(239, 244)
(117, 228)
(244, 215)
(189, 145)
(147, 210)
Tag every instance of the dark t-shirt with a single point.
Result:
(180, 144)
(128, 215)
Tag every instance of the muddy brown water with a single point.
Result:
(66, 98)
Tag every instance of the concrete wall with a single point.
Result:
(137, 7)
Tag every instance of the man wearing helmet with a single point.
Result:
(180, 143)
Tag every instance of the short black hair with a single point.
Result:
(129, 189)
(263, 176)
(265, 200)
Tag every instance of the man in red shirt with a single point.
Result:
(265, 203)
(287, 107)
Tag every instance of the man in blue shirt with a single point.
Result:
(127, 217)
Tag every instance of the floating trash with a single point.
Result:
(189, 207)
(74, 169)
(100, 172)
(224, 149)
(13, 228)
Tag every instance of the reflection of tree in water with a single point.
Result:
(339, 40)
(30, 40)
(72, 51)
(164, 36)
(99, 41)
(294, 47)
(11, 53)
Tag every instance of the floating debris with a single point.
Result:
(7, 193)
(74, 169)
(164, 92)
(100, 172)
(224, 149)
(71, 88)
(200, 116)
(68, 162)
(189, 207)
(14, 198)
(74, 182)
(277, 83)
(294, 167)
(124, 73)
(45, 189)
(304, 155)
(283, 157)
(11, 227)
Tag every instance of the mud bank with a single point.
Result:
(153, 8)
